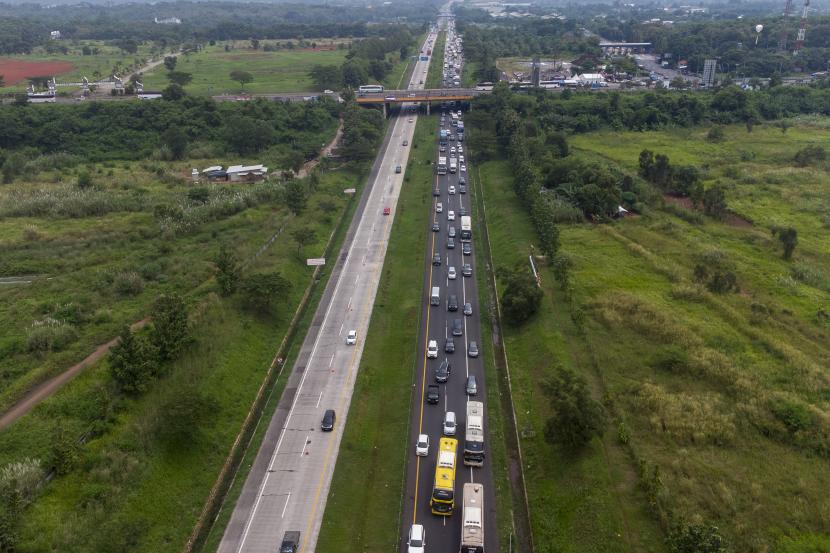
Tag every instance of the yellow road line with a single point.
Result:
(424, 375)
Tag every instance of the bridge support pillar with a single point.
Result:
(428, 104)
(384, 110)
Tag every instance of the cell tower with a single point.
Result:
(782, 38)
(802, 28)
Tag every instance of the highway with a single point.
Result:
(444, 533)
(288, 485)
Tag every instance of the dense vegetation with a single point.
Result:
(135, 130)
(367, 61)
(699, 325)
(218, 268)
(25, 26)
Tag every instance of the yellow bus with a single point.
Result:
(443, 491)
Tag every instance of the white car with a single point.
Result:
(463, 168)
(422, 445)
(460, 149)
(450, 215)
(451, 189)
(439, 207)
(432, 349)
(351, 338)
(451, 274)
(461, 159)
(449, 424)
(417, 539)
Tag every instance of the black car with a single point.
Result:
(449, 346)
(462, 211)
(436, 259)
(462, 180)
(452, 303)
(466, 248)
(467, 270)
(436, 192)
(457, 327)
(442, 373)
(450, 243)
(433, 393)
(327, 424)
(436, 227)
(462, 188)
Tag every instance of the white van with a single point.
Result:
(432, 349)
(435, 298)
(449, 423)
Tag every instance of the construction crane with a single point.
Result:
(782, 38)
(802, 28)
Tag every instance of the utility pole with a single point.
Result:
(802, 28)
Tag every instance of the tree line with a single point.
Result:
(23, 27)
(366, 61)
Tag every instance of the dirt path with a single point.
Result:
(46, 389)
(309, 166)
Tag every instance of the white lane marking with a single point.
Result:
(268, 472)
(305, 443)
(341, 329)
(331, 362)
(321, 396)
(286, 505)
(350, 303)
(357, 278)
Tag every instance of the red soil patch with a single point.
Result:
(731, 219)
(14, 71)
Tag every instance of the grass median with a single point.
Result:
(436, 66)
(364, 503)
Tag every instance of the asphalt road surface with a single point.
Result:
(444, 533)
(288, 485)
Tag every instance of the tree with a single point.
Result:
(84, 180)
(176, 141)
(714, 201)
(326, 77)
(170, 62)
(173, 92)
(576, 416)
(2, 81)
(260, 291)
(242, 77)
(303, 236)
(696, 538)
(131, 363)
(789, 239)
(295, 197)
(170, 332)
(181, 414)
(247, 135)
(64, 451)
(678, 83)
(254, 44)
(521, 297)
(180, 78)
(228, 270)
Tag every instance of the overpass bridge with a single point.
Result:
(426, 96)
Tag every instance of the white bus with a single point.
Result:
(474, 434)
(442, 165)
(484, 86)
(472, 529)
(370, 88)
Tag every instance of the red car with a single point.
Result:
(386, 211)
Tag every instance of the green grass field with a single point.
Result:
(364, 507)
(154, 494)
(735, 426)
(436, 65)
(285, 70)
(107, 61)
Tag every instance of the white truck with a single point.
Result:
(453, 164)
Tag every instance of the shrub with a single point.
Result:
(809, 155)
(30, 233)
(49, 334)
(696, 538)
(23, 477)
(795, 415)
(128, 283)
(811, 275)
(715, 134)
